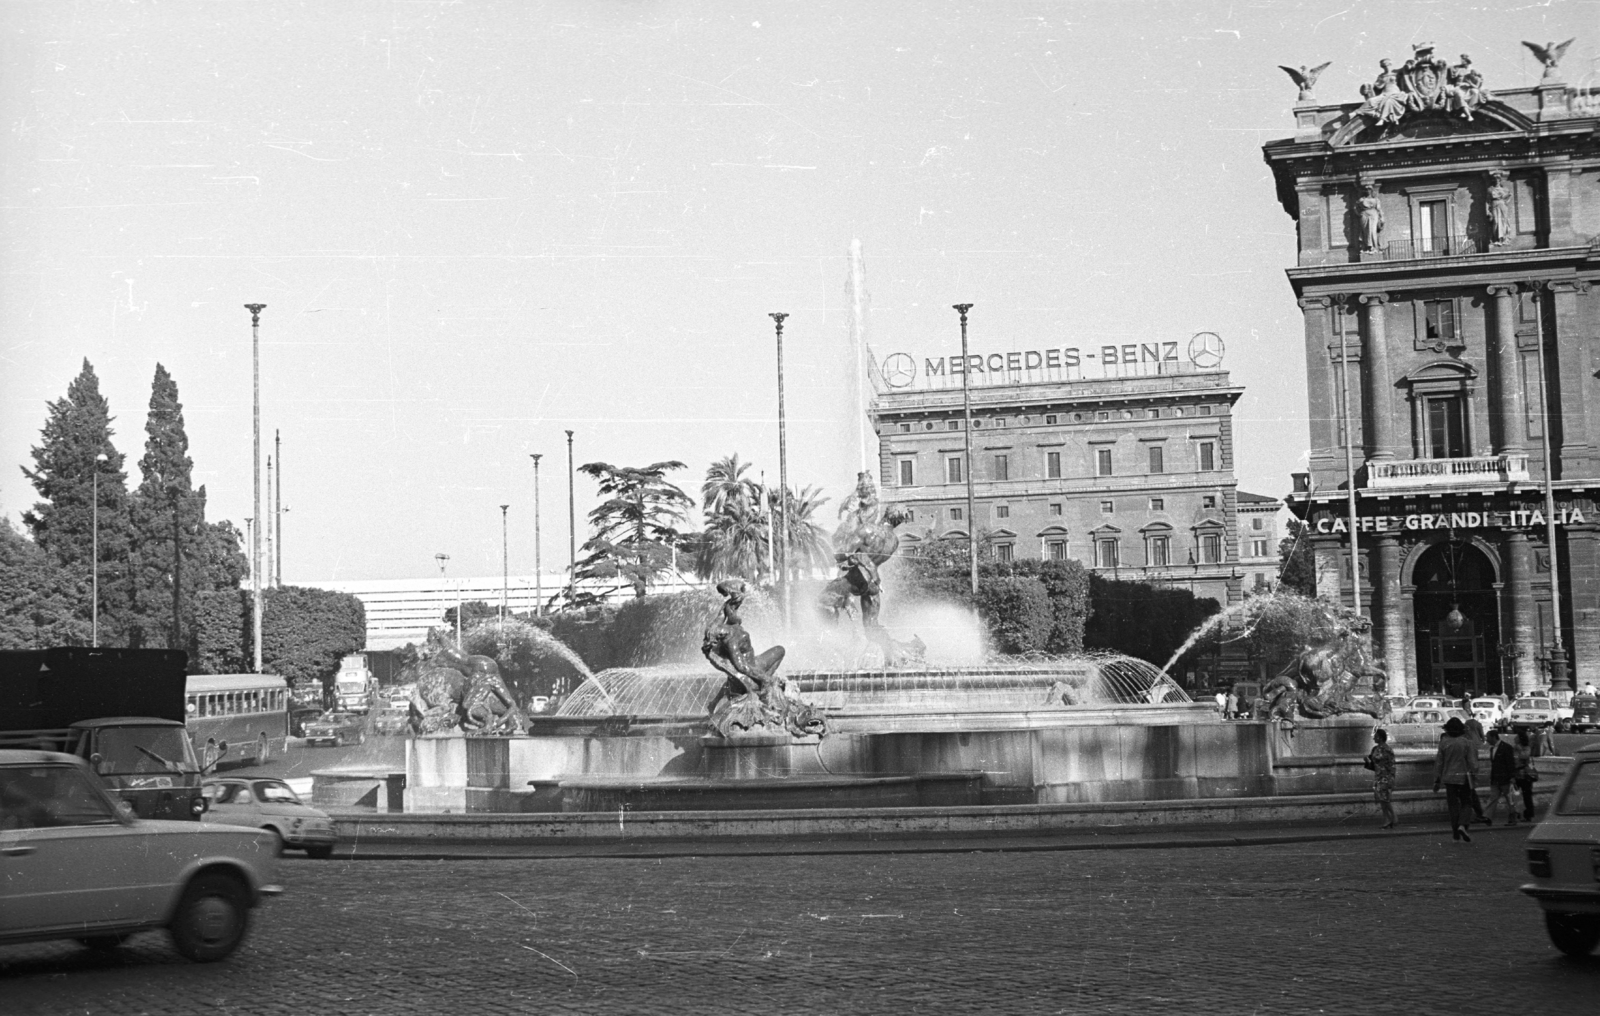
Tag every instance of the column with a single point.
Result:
(1327, 563)
(1322, 387)
(1524, 675)
(1573, 380)
(1379, 386)
(1392, 631)
(1408, 617)
(1508, 378)
(1583, 549)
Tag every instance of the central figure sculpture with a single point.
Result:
(864, 540)
(754, 696)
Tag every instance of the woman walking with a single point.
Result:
(1453, 766)
(1524, 774)
(1381, 761)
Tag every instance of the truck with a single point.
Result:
(354, 686)
(120, 710)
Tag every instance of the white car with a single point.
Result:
(1490, 710)
(1563, 855)
(73, 864)
(1533, 711)
(271, 805)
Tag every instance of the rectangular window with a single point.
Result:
(1002, 467)
(905, 428)
(1052, 465)
(1205, 410)
(1210, 548)
(1439, 320)
(1003, 551)
(1155, 458)
(952, 470)
(908, 472)
(1208, 456)
(1255, 524)
(1158, 504)
(1160, 551)
(911, 514)
(1107, 507)
(955, 515)
(1050, 421)
(1002, 511)
(1208, 501)
(1447, 430)
(1105, 553)
(952, 425)
(1055, 508)
(1102, 460)
(1057, 550)
(1258, 548)
(1102, 415)
(1432, 232)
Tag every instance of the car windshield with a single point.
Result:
(1532, 703)
(120, 753)
(1582, 793)
(41, 797)
(1484, 703)
(276, 792)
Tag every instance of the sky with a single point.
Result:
(477, 225)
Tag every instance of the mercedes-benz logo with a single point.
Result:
(899, 370)
(1206, 349)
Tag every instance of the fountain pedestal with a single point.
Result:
(756, 755)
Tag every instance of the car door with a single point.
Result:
(68, 860)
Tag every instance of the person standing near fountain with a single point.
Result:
(1453, 766)
(1381, 761)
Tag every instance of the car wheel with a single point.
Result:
(277, 841)
(1573, 934)
(263, 750)
(211, 918)
(320, 852)
(103, 943)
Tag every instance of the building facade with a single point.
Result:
(1130, 474)
(1447, 240)
(1259, 534)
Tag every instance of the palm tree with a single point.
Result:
(809, 544)
(734, 544)
(725, 484)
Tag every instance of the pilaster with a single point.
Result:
(1577, 452)
(1524, 676)
(1509, 414)
(1378, 377)
(1583, 548)
(1392, 632)
(1322, 394)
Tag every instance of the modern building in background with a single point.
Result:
(1120, 457)
(1447, 251)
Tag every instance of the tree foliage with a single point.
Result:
(1138, 619)
(736, 539)
(1016, 612)
(304, 632)
(1296, 570)
(41, 603)
(938, 570)
(635, 527)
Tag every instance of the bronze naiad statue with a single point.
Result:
(457, 691)
(753, 696)
(864, 540)
(1336, 675)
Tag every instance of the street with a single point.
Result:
(1406, 924)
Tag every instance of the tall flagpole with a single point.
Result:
(255, 310)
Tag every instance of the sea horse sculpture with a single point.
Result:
(753, 697)
(1336, 675)
(460, 692)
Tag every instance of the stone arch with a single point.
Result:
(1409, 564)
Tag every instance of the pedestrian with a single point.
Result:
(1381, 761)
(1525, 774)
(1542, 745)
(1222, 703)
(1502, 771)
(1453, 766)
(1231, 710)
(1474, 733)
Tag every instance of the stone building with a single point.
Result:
(1130, 473)
(1258, 540)
(1447, 242)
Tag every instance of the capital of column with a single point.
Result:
(1503, 290)
(1514, 536)
(1310, 302)
(1567, 286)
(1373, 299)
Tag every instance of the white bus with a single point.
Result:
(248, 712)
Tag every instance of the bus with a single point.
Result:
(248, 712)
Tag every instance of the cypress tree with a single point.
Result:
(78, 430)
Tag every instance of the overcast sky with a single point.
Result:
(476, 225)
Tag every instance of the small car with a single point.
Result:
(1533, 711)
(1434, 702)
(1430, 717)
(1585, 713)
(75, 865)
(337, 729)
(391, 721)
(1563, 853)
(274, 806)
(299, 716)
(1490, 710)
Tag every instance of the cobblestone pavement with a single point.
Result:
(1406, 925)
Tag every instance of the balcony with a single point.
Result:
(1448, 472)
(1432, 247)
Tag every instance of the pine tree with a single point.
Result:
(40, 602)
(77, 431)
(175, 543)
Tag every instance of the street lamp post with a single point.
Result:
(277, 510)
(783, 477)
(966, 433)
(270, 527)
(442, 558)
(94, 552)
(1558, 653)
(255, 310)
(177, 572)
(538, 546)
(505, 567)
(572, 523)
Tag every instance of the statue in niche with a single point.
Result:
(1499, 208)
(1305, 78)
(1371, 209)
(864, 540)
(753, 697)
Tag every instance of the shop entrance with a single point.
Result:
(1457, 621)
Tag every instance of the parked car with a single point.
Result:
(1491, 710)
(1563, 853)
(75, 865)
(1433, 702)
(1533, 711)
(298, 716)
(1585, 713)
(1430, 717)
(274, 806)
(392, 721)
(336, 728)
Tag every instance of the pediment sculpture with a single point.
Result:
(1424, 84)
